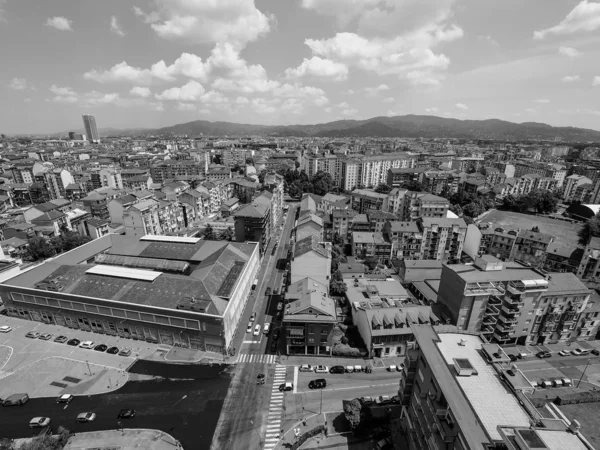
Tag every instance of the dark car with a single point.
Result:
(286, 387)
(596, 352)
(395, 399)
(113, 350)
(274, 346)
(73, 342)
(337, 369)
(543, 355)
(61, 339)
(276, 334)
(268, 291)
(101, 347)
(510, 372)
(512, 357)
(275, 291)
(319, 383)
(126, 414)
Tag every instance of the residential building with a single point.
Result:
(91, 130)
(374, 169)
(440, 182)
(342, 222)
(332, 201)
(405, 238)
(309, 225)
(530, 247)
(572, 182)
(253, 224)
(398, 177)
(589, 267)
(371, 245)
(311, 259)
(467, 163)
(170, 169)
(418, 205)
(116, 285)
(561, 258)
(310, 316)
(142, 218)
(364, 200)
(588, 323)
(443, 238)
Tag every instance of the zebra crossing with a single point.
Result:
(252, 358)
(275, 409)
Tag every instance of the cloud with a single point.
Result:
(431, 110)
(187, 65)
(391, 112)
(189, 92)
(461, 106)
(63, 94)
(115, 27)
(60, 23)
(389, 100)
(585, 16)
(319, 67)
(349, 112)
(186, 106)
(596, 81)
(373, 91)
(264, 106)
(308, 94)
(569, 51)
(242, 101)
(531, 110)
(292, 106)
(570, 78)
(542, 101)
(18, 84)
(489, 39)
(350, 92)
(343, 105)
(139, 91)
(201, 21)
(2, 18)
(378, 45)
(95, 98)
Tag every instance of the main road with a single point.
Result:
(243, 418)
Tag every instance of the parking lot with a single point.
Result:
(48, 368)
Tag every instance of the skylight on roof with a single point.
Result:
(124, 272)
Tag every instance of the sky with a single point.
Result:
(153, 63)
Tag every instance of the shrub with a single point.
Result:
(343, 328)
(305, 436)
(578, 397)
(345, 350)
(344, 340)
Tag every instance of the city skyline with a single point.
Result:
(159, 63)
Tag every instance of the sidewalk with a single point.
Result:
(288, 438)
(127, 439)
(533, 349)
(376, 363)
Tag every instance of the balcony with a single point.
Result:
(514, 301)
(485, 288)
(507, 320)
(509, 311)
(487, 329)
(492, 310)
(500, 336)
(515, 288)
(509, 329)
(490, 320)
(493, 300)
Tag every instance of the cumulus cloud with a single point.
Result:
(139, 91)
(432, 110)
(95, 98)
(115, 27)
(60, 23)
(189, 92)
(319, 67)
(201, 21)
(18, 84)
(389, 100)
(373, 91)
(391, 112)
(569, 51)
(242, 101)
(186, 106)
(570, 78)
(378, 45)
(461, 106)
(542, 101)
(350, 112)
(585, 16)
(63, 94)
(187, 65)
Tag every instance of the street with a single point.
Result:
(557, 366)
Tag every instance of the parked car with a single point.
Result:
(266, 328)
(337, 369)
(73, 342)
(101, 347)
(383, 400)
(256, 330)
(253, 317)
(321, 369)
(5, 329)
(126, 414)
(275, 291)
(564, 353)
(16, 400)
(86, 417)
(366, 400)
(543, 355)
(61, 339)
(305, 368)
(249, 327)
(87, 344)
(113, 350)
(45, 336)
(268, 291)
(512, 357)
(319, 383)
(279, 306)
(596, 352)
(579, 352)
(395, 399)
(65, 398)
(349, 369)
(392, 368)
(33, 335)
(39, 422)
(286, 387)
(125, 352)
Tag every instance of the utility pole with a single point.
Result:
(89, 369)
(583, 373)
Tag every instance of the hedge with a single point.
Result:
(578, 397)
(304, 437)
(345, 350)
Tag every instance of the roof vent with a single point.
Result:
(575, 426)
(462, 342)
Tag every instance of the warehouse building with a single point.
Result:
(165, 289)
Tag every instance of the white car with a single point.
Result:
(249, 328)
(5, 329)
(267, 328)
(87, 344)
(86, 417)
(65, 398)
(256, 330)
(577, 352)
(39, 422)
(564, 353)
(305, 368)
(321, 369)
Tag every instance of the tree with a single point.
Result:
(536, 229)
(209, 233)
(414, 186)
(589, 230)
(40, 248)
(337, 287)
(371, 262)
(69, 241)
(337, 240)
(352, 411)
(383, 189)
(322, 183)
(227, 234)
(543, 201)
(6, 444)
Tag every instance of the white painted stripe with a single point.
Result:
(276, 395)
(295, 379)
(271, 434)
(272, 440)
(272, 426)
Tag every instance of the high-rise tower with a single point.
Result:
(89, 122)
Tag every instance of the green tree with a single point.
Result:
(589, 230)
(414, 186)
(371, 262)
(6, 444)
(209, 233)
(227, 234)
(322, 183)
(69, 241)
(352, 411)
(337, 287)
(40, 248)
(383, 189)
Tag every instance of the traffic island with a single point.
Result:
(127, 439)
(310, 427)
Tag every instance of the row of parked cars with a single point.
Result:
(334, 369)
(90, 345)
(381, 400)
(574, 352)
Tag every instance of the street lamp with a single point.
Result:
(583, 373)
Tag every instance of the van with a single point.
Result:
(546, 384)
(358, 368)
(557, 383)
(16, 400)
(349, 369)
(567, 382)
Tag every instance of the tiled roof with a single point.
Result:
(310, 243)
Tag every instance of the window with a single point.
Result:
(311, 329)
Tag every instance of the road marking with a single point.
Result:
(295, 379)
(250, 342)
(350, 387)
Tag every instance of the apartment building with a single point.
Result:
(572, 182)
(530, 247)
(494, 176)
(467, 163)
(375, 168)
(405, 238)
(351, 169)
(589, 267)
(253, 224)
(170, 169)
(397, 177)
(544, 170)
(342, 222)
(371, 245)
(440, 181)
(364, 200)
(511, 303)
(460, 392)
(443, 238)
(422, 205)
(588, 324)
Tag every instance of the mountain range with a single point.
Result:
(408, 126)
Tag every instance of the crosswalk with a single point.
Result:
(275, 409)
(252, 358)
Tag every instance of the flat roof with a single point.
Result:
(491, 400)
